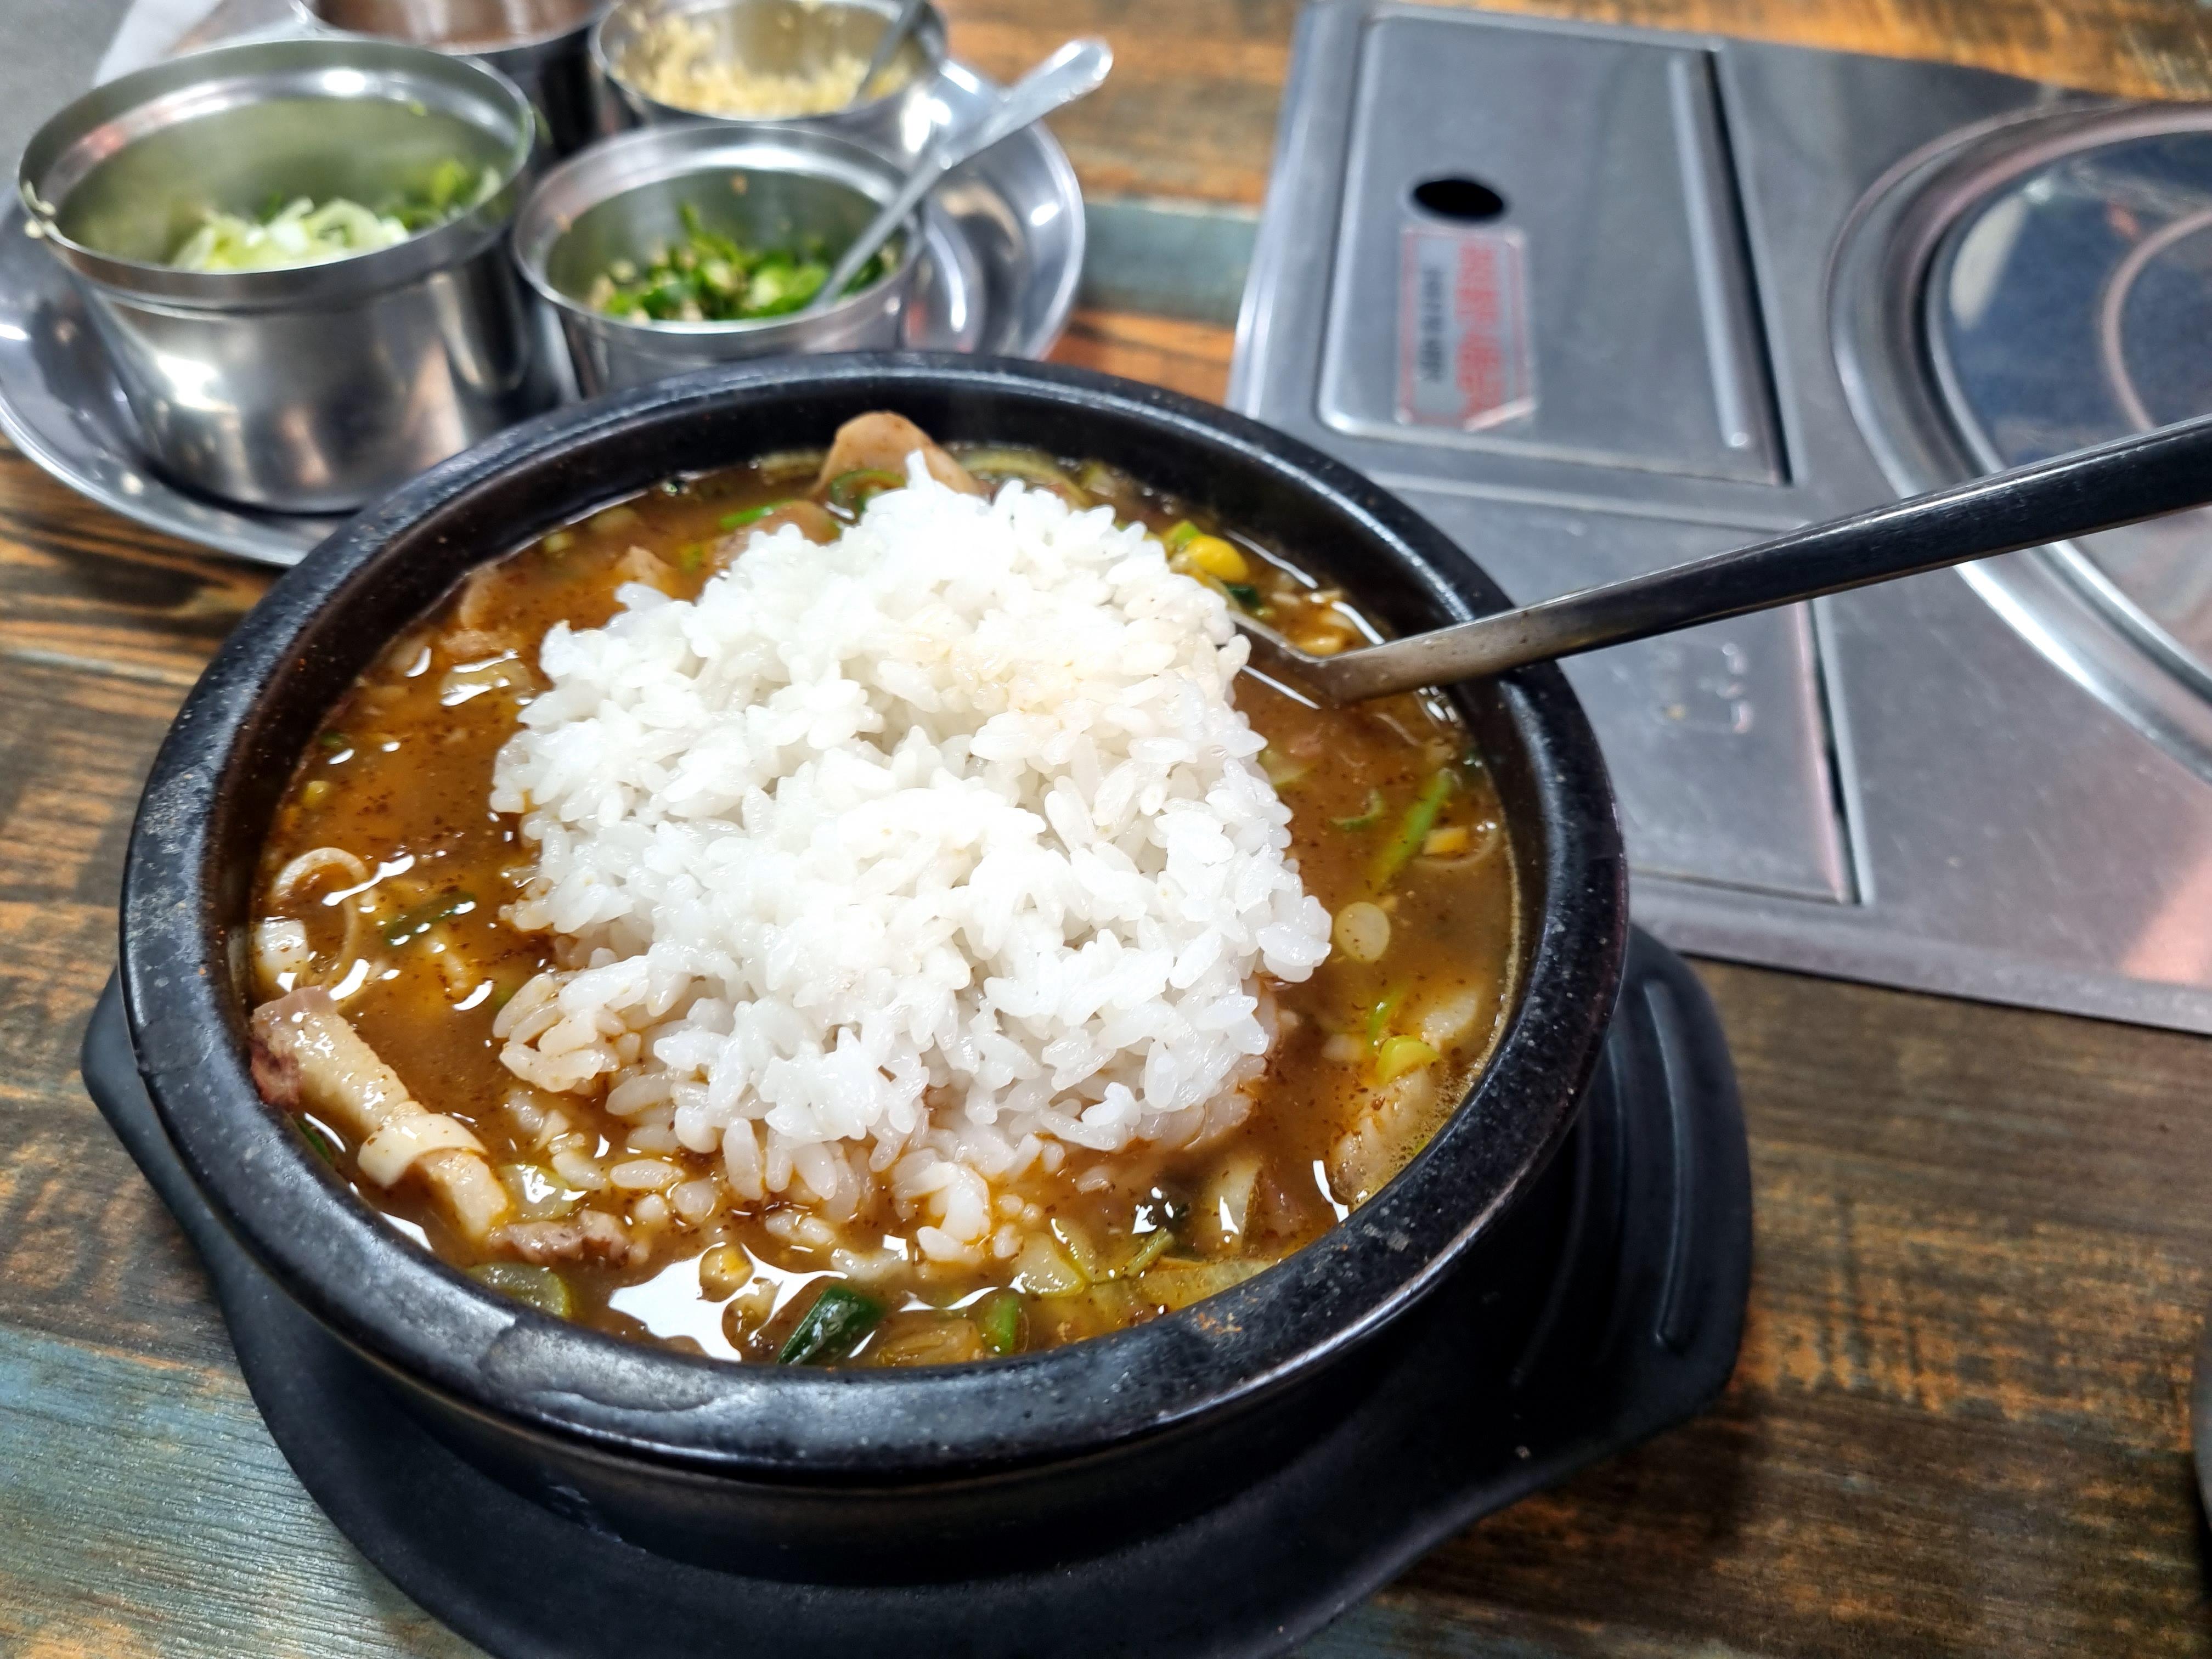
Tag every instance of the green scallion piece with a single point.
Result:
(739, 520)
(1400, 1055)
(1367, 817)
(412, 924)
(1413, 829)
(318, 1137)
(1154, 1245)
(1182, 531)
(336, 742)
(998, 1317)
(1379, 1017)
(832, 1328)
(541, 1288)
(1245, 594)
(850, 491)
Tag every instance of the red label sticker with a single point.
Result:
(1462, 329)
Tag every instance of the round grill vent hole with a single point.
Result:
(1455, 195)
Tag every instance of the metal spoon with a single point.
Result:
(887, 46)
(1074, 70)
(2145, 476)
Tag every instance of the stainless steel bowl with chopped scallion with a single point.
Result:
(302, 231)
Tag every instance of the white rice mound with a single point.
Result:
(907, 863)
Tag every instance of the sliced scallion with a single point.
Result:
(541, 1288)
(837, 1323)
(1367, 817)
(1380, 1015)
(1154, 1245)
(1413, 829)
(850, 491)
(1400, 1055)
(739, 520)
(998, 1317)
(412, 924)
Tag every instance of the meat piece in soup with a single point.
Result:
(848, 909)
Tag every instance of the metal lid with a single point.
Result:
(2040, 282)
(2073, 305)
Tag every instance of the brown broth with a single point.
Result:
(399, 777)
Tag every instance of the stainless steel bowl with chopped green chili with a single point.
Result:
(671, 248)
(710, 278)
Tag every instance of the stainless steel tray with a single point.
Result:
(1004, 254)
(1730, 255)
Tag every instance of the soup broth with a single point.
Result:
(387, 880)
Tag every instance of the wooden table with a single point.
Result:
(1959, 1423)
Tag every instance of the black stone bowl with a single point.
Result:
(875, 1476)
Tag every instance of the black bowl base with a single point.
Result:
(1607, 1307)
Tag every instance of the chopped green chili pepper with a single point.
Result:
(708, 278)
(1367, 817)
(850, 491)
(1245, 594)
(1379, 1017)
(999, 1316)
(1182, 532)
(335, 741)
(534, 1287)
(411, 924)
(1413, 829)
(836, 1325)
(749, 515)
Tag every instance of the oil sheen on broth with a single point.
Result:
(385, 875)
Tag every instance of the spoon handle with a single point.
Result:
(2144, 476)
(887, 43)
(1073, 71)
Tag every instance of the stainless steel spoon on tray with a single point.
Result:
(2145, 476)
(1076, 68)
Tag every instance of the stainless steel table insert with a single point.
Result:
(1598, 300)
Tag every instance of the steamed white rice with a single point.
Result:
(908, 863)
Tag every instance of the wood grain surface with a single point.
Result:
(1985, 1239)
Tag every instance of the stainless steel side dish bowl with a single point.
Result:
(293, 252)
